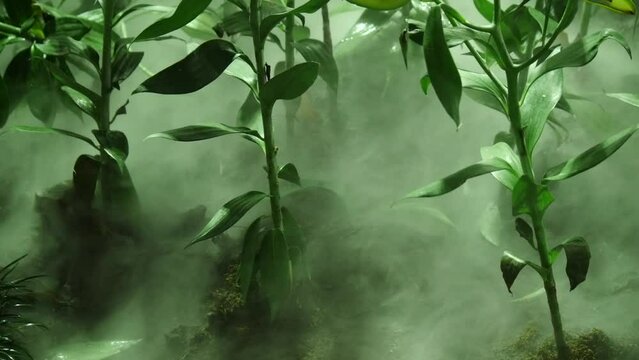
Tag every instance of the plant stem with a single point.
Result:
(585, 20)
(10, 29)
(105, 74)
(326, 28)
(289, 49)
(332, 93)
(514, 114)
(267, 120)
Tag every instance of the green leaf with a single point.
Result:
(289, 173)
(539, 101)
(185, 12)
(250, 249)
(525, 231)
(93, 350)
(457, 179)
(317, 51)
(250, 113)
(18, 10)
(527, 194)
(621, 6)
(124, 64)
(242, 69)
(118, 156)
(504, 152)
(42, 92)
(204, 132)
(64, 45)
(82, 102)
(380, 4)
(589, 158)
(579, 53)
(424, 83)
(511, 266)
(16, 77)
(483, 83)
(198, 69)
(631, 99)
(290, 84)
(271, 21)
(85, 177)
(441, 67)
(296, 246)
(49, 130)
(275, 270)
(229, 214)
(485, 8)
(578, 259)
(5, 103)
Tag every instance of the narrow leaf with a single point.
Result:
(441, 67)
(539, 101)
(49, 130)
(631, 99)
(185, 12)
(380, 4)
(457, 179)
(251, 247)
(589, 158)
(229, 214)
(275, 270)
(203, 132)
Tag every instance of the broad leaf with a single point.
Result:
(589, 158)
(251, 247)
(317, 51)
(185, 12)
(511, 266)
(539, 101)
(198, 69)
(290, 84)
(441, 67)
(229, 214)
(275, 270)
(271, 21)
(621, 6)
(578, 259)
(528, 197)
(289, 173)
(85, 177)
(457, 179)
(504, 152)
(82, 102)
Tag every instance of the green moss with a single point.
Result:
(591, 345)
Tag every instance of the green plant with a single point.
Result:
(521, 42)
(271, 253)
(15, 298)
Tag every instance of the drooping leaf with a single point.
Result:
(504, 152)
(290, 84)
(441, 67)
(250, 248)
(482, 83)
(185, 12)
(529, 197)
(578, 259)
(539, 101)
(380, 4)
(579, 53)
(511, 266)
(86, 100)
(589, 158)
(124, 64)
(275, 270)
(85, 177)
(317, 51)
(525, 231)
(196, 70)
(289, 173)
(457, 179)
(64, 45)
(16, 77)
(42, 91)
(82, 102)
(229, 214)
(204, 132)
(242, 69)
(50, 130)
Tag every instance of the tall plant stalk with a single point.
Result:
(585, 19)
(267, 119)
(289, 50)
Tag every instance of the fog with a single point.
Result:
(390, 278)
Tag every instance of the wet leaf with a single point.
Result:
(290, 84)
(457, 179)
(589, 158)
(185, 12)
(229, 214)
(195, 71)
(441, 67)
(540, 100)
(82, 102)
(289, 173)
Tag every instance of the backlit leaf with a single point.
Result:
(185, 12)
(203, 132)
